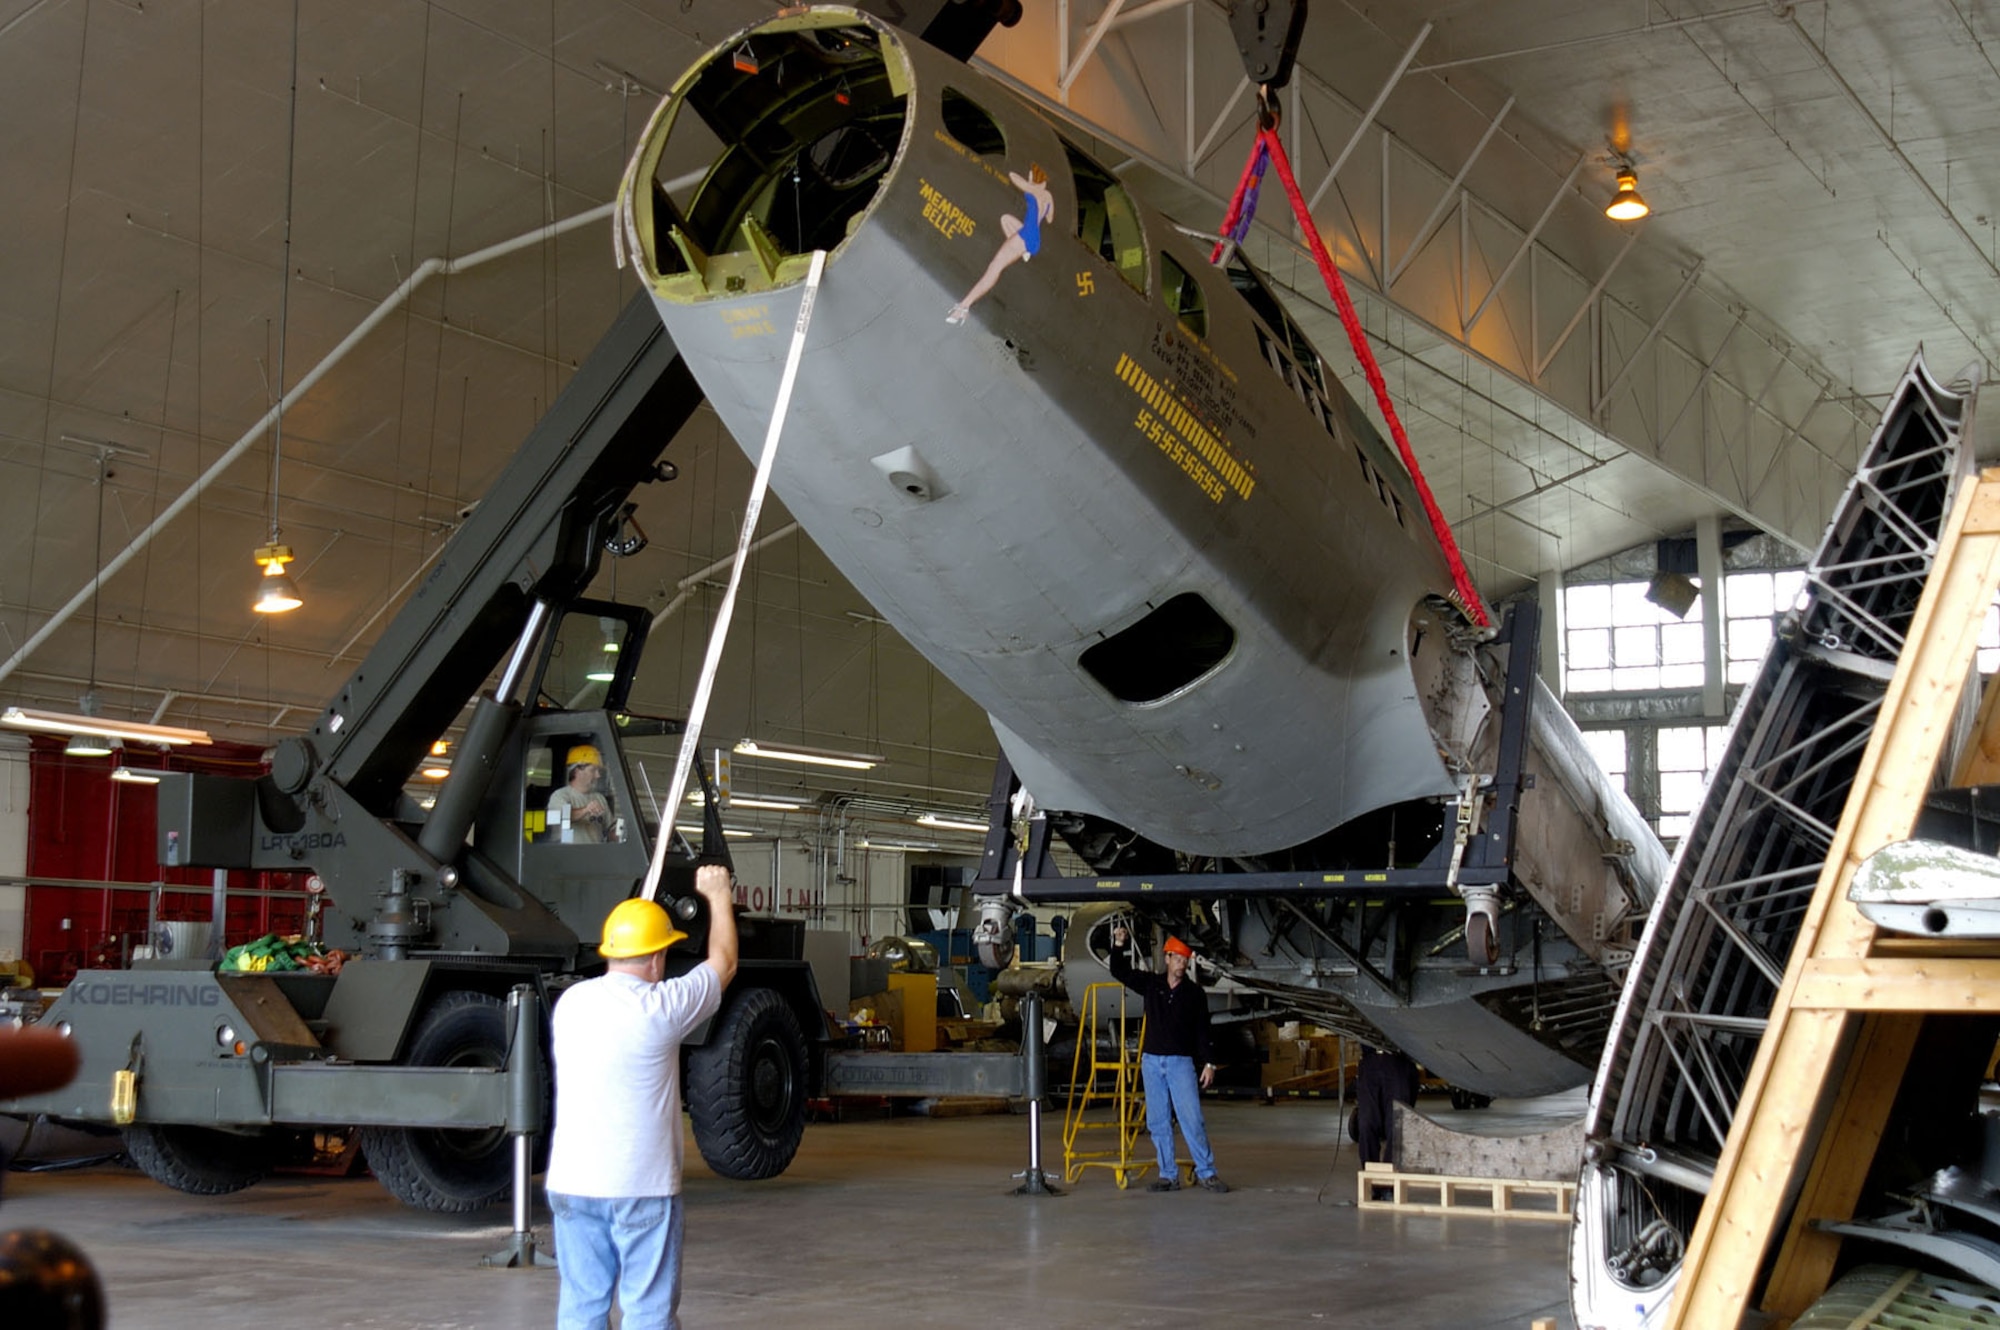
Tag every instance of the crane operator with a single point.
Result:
(580, 810)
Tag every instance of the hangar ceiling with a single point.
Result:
(191, 223)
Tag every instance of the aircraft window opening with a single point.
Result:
(967, 122)
(1106, 221)
(1179, 642)
(1302, 351)
(1184, 297)
(1318, 409)
(1249, 284)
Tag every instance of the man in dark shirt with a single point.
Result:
(1176, 1043)
(1388, 1077)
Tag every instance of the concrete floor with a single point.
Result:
(900, 1221)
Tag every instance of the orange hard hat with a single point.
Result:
(1176, 947)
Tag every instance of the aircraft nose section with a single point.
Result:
(776, 144)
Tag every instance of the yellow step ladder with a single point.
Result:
(1098, 1084)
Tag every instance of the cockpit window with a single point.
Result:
(1184, 296)
(1179, 642)
(1106, 221)
(968, 122)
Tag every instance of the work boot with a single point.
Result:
(1214, 1183)
(1164, 1184)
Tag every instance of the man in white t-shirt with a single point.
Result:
(614, 1176)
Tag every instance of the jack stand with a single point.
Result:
(524, 1120)
(1035, 1182)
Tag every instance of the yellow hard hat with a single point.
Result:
(584, 753)
(637, 928)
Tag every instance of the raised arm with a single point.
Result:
(1122, 968)
(712, 881)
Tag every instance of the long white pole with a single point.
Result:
(698, 710)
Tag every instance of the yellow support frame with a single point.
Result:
(1846, 1017)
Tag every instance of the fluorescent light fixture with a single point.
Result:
(737, 833)
(133, 776)
(949, 824)
(819, 757)
(774, 805)
(607, 670)
(62, 722)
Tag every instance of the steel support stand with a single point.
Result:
(1034, 1182)
(524, 1123)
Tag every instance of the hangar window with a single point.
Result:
(1170, 648)
(967, 121)
(1184, 297)
(1106, 221)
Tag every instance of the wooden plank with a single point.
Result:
(1770, 1143)
(1833, 1186)
(1901, 983)
(1979, 764)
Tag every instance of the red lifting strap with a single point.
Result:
(1267, 140)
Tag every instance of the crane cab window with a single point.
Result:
(1176, 644)
(1184, 297)
(1106, 220)
(967, 121)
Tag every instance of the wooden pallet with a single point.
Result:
(1381, 1187)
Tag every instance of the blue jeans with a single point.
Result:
(1173, 1091)
(631, 1244)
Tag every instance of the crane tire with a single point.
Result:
(747, 1086)
(447, 1171)
(201, 1161)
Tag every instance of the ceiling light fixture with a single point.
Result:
(133, 776)
(87, 745)
(1626, 205)
(950, 824)
(85, 741)
(276, 591)
(62, 722)
(438, 765)
(819, 757)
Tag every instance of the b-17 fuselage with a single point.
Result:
(1111, 492)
